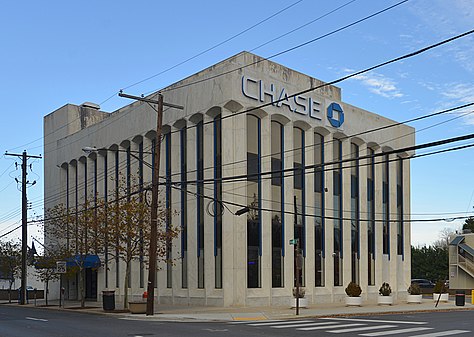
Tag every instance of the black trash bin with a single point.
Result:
(460, 298)
(108, 299)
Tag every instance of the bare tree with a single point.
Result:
(10, 263)
(125, 229)
(73, 232)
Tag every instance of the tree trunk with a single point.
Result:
(125, 286)
(81, 287)
(46, 292)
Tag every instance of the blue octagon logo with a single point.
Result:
(335, 115)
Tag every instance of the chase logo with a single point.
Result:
(335, 115)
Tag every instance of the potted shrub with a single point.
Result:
(440, 291)
(303, 302)
(385, 297)
(353, 292)
(414, 293)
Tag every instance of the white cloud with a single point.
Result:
(380, 85)
(459, 94)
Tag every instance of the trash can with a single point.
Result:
(460, 298)
(108, 299)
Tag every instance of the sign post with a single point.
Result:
(61, 268)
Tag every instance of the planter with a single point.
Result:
(137, 307)
(444, 297)
(385, 300)
(303, 303)
(354, 301)
(414, 298)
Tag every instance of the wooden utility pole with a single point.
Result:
(24, 211)
(154, 198)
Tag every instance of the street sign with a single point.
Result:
(61, 267)
(294, 241)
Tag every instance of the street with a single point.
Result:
(18, 321)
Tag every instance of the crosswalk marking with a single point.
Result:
(443, 333)
(364, 328)
(371, 320)
(300, 325)
(394, 332)
(277, 323)
(252, 321)
(330, 326)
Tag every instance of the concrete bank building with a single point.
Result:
(244, 139)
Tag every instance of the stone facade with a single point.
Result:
(230, 260)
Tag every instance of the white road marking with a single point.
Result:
(330, 326)
(394, 332)
(300, 325)
(443, 333)
(374, 327)
(36, 319)
(253, 321)
(276, 323)
(371, 320)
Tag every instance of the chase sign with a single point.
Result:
(300, 104)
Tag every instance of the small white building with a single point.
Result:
(244, 139)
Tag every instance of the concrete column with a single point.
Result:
(289, 275)
(208, 157)
(266, 166)
(393, 264)
(346, 213)
(329, 213)
(407, 224)
(192, 213)
(111, 197)
(380, 259)
(134, 164)
(308, 189)
(363, 215)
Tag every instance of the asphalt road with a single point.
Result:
(18, 321)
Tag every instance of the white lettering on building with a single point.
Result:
(268, 93)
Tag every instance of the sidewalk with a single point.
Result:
(165, 312)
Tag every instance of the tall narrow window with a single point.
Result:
(253, 200)
(200, 201)
(385, 205)
(355, 223)
(337, 204)
(184, 210)
(371, 217)
(218, 200)
(299, 190)
(169, 265)
(400, 206)
(319, 209)
(277, 204)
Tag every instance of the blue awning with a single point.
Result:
(87, 261)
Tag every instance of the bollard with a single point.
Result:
(472, 296)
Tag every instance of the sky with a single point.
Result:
(59, 52)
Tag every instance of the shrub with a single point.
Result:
(385, 289)
(302, 292)
(353, 290)
(440, 287)
(414, 289)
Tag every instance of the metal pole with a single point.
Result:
(296, 252)
(24, 234)
(154, 213)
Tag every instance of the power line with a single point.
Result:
(213, 47)
(286, 50)
(262, 59)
